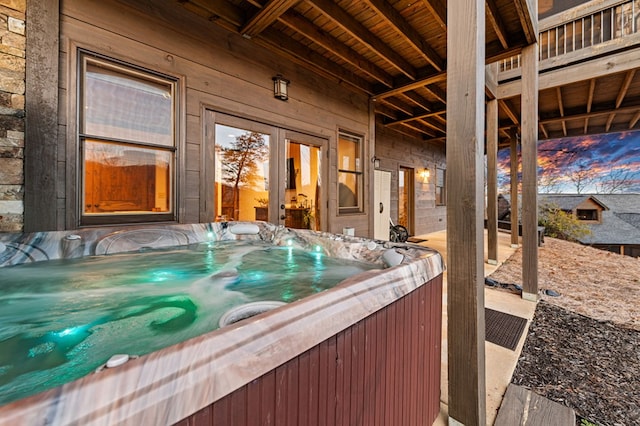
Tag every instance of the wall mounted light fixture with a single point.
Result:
(376, 162)
(280, 88)
(425, 174)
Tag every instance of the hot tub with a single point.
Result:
(367, 349)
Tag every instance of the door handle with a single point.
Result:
(282, 217)
(381, 207)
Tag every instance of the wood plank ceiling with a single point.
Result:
(392, 50)
(395, 51)
(601, 104)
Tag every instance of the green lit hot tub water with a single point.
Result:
(61, 319)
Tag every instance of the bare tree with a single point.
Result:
(617, 180)
(582, 175)
(240, 163)
(548, 183)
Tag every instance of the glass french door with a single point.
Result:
(405, 198)
(302, 182)
(241, 188)
(264, 173)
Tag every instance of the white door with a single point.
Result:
(381, 204)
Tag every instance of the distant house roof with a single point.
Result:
(569, 201)
(620, 218)
(621, 203)
(631, 218)
(613, 230)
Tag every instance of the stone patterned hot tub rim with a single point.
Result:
(168, 385)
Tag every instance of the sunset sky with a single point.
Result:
(606, 157)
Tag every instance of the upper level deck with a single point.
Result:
(588, 80)
(589, 30)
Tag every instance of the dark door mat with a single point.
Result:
(503, 329)
(415, 240)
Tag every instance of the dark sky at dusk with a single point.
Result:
(605, 156)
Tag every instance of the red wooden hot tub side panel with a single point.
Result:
(383, 370)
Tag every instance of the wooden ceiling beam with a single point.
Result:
(436, 92)
(399, 105)
(278, 43)
(544, 131)
(265, 17)
(427, 82)
(420, 128)
(441, 129)
(301, 25)
(528, 16)
(628, 78)
(358, 31)
(438, 140)
(407, 32)
(599, 113)
(439, 117)
(493, 15)
(621, 94)
(417, 100)
(385, 111)
(561, 109)
(609, 121)
(634, 120)
(595, 130)
(439, 11)
(416, 134)
(509, 110)
(592, 89)
(433, 78)
(418, 116)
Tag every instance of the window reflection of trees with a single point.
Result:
(240, 163)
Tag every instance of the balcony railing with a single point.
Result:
(613, 21)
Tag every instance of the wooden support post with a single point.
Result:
(465, 212)
(529, 148)
(41, 129)
(514, 217)
(492, 178)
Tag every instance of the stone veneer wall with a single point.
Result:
(12, 113)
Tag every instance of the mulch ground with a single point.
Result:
(589, 365)
(583, 346)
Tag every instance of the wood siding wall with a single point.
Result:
(217, 70)
(384, 370)
(396, 150)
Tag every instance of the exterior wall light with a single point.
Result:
(376, 162)
(280, 88)
(425, 174)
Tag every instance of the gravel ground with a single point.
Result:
(583, 347)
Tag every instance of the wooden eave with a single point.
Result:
(394, 51)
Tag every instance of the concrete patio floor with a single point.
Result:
(500, 362)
